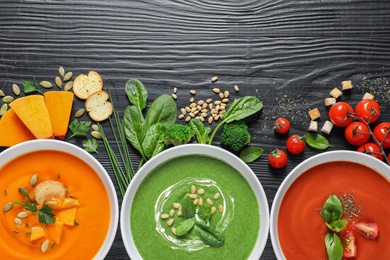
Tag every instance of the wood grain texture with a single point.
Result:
(288, 53)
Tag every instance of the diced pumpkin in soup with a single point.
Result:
(69, 203)
(56, 231)
(67, 216)
(54, 203)
(37, 233)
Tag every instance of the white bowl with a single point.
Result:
(56, 145)
(194, 149)
(332, 156)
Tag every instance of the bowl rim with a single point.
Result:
(189, 149)
(57, 145)
(328, 156)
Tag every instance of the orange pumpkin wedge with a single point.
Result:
(12, 130)
(59, 105)
(34, 114)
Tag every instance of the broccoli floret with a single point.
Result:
(235, 135)
(178, 134)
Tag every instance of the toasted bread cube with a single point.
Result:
(346, 85)
(314, 114)
(368, 96)
(37, 233)
(56, 231)
(67, 216)
(69, 203)
(336, 93)
(329, 101)
(313, 127)
(327, 128)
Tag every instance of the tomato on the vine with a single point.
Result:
(357, 133)
(277, 158)
(371, 149)
(382, 134)
(295, 144)
(281, 125)
(341, 114)
(368, 110)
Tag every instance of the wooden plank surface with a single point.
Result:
(288, 53)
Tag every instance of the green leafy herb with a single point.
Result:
(76, 223)
(337, 226)
(250, 154)
(79, 128)
(5, 192)
(185, 227)
(46, 215)
(201, 132)
(241, 108)
(209, 235)
(31, 87)
(204, 212)
(334, 246)
(90, 145)
(317, 141)
(187, 207)
(332, 209)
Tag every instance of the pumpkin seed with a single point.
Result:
(8, 206)
(68, 86)
(61, 71)
(16, 89)
(80, 112)
(22, 214)
(45, 84)
(3, 109)
(34, 180)
(8, 99)
(95, 127)
(68, 76)
(58, 82)
(214, 79)
(1, 93)
(96, 134)
(18, 221)
(45, 246)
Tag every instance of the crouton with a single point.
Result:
(47, 190)
(98, 107)
(313, 127)
(346, 85)
(314, 114)
(84, 86)
(336, 93)
(329, 101)
(368, 96)
(327, 127)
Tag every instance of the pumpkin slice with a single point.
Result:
(33, 112)
(59, 105)
(12, 130)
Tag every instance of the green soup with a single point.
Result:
(207, 180)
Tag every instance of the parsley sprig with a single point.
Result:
(30, 87)
(79, 128)
(45, 214)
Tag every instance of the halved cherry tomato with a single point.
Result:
(281, 125)
(357, 133)
(341, 114)
(371, 149)
(295, 144)
(368, 110)
(277, 158)
(382, 134)
(368, 229)
(349, 244)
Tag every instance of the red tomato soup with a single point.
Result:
(301, 228)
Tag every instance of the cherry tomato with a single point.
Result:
(357, 133)
(368, 111)
(295, 144)
(341, 114)
(382, 134)
(349, 244)
(368, 229)
(371, 149)
(277, 158)
(281, 125)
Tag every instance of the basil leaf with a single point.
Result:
(153, 142)
(133, 124)
(209, 235)
(163, 110)
(187, 207)
(204, 212)
(332, 209)
(334, 247)
(136, 93)
(185, 227)
(250, 154)
(317, 141)
(242, 108)
(201, 132)
(337, 226)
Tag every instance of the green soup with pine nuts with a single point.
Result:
(214, 187)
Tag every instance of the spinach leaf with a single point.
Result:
(201, 131)
(334, 247)
(317, 141)
(136, 93)
(187, 207)
(153, 143)
(163, 110)
(250, 154)
(209, 235)
(332, 209)
(185, 227)
(133, 124)
(204, 212)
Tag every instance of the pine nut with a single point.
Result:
(209, 100)
(213, 210)
(188, 119)
(210, 120)
(221, 96)
(201, 191)
(196, 201)
(226, 94)
(217, 195)
(214, 79)
(236, 88)
(164, 216)
(192, 92)
(170, 222)
(216, 90)
(192, 100)
(220, 208)
(200, 202)
(176, 205)
(174, 90)
(209, 201)
(181, 116)
(193, 189)
(174, 96)
(171, 212)
(193, 196)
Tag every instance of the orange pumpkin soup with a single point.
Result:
(301, 228)
(81, 222)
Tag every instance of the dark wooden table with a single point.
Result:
(288, 53)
